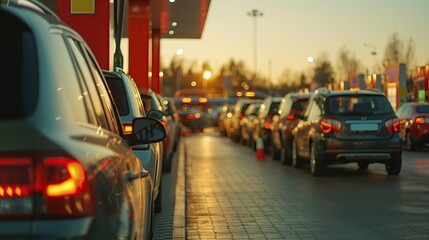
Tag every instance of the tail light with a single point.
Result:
(290, 117)
(128, 128)
(421, 119)
(190, 116)
(59, 183)
(241, 115)
(393, 125)
(329, 125)
(267, 122)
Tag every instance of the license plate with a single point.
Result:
(362, 127)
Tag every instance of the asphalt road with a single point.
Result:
(231, 195)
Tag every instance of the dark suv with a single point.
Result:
(347, 126)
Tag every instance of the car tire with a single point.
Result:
(158, 200)
(296, 159)
(166, 165)
(285, 157)
(409, 141)
(393, 166)
(363, 166)
(317, 166)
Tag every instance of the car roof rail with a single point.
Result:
(322, 90)
(374, 90)
(35, 5)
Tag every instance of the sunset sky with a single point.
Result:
(291, 30)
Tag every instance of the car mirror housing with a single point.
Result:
(148, 130)
(153, 113)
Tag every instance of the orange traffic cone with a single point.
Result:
(260, 151)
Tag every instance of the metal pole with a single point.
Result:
(255, 13)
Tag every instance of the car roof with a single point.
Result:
(349, 92)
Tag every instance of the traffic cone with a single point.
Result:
(260, 151)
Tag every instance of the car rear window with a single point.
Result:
(19, 68)
(274, 108)
(119, 95)
(359, 105)
(299, 104)
(422, 109)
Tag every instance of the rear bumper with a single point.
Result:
(333, 151)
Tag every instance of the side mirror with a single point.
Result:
(148, 130)
(153, 113)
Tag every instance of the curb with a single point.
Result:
(179, 221)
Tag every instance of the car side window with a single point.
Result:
(104, 94)
(138, 98)
(88, 87)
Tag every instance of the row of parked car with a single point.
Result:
(83, 149)
(329, 127)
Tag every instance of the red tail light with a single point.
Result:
(290, 117)
(128, 128)
(241, 115)
(58, 182)
(190, 116)
(393, 125)
(329, 125)
(267, 122)
(419, 120)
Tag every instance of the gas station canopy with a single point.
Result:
(179, 18)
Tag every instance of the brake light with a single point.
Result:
(186, 100)
(267, 122)
(290, 117)
(241, 115)
(64, 177)
(329, 125)
(419, 120)
(393, 125)
(60, 182)
(128, 128)
(190, 116)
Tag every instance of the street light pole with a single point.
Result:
(255, 13)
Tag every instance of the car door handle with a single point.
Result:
(131, 176)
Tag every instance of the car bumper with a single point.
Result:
(334, 151)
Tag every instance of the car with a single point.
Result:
(283, 124)
(240, 108)
(67, 170)
(174, 113)
(246, 123)
(339, 127)
(152, 101)
(192, 117)
(261, 127)
(130, 106)
(224, 119)
(414, 118)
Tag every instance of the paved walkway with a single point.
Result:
(225, 196)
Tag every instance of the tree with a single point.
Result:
(398, 52)
(348, 63)
(323, 72)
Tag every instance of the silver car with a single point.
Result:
(130, 106)
(66, 168)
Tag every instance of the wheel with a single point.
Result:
(410, 144)
(158, 200)
(317, 166)
(393, 166)
(363, 165)
(285, 157)
(166, 164)
(296, 160)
